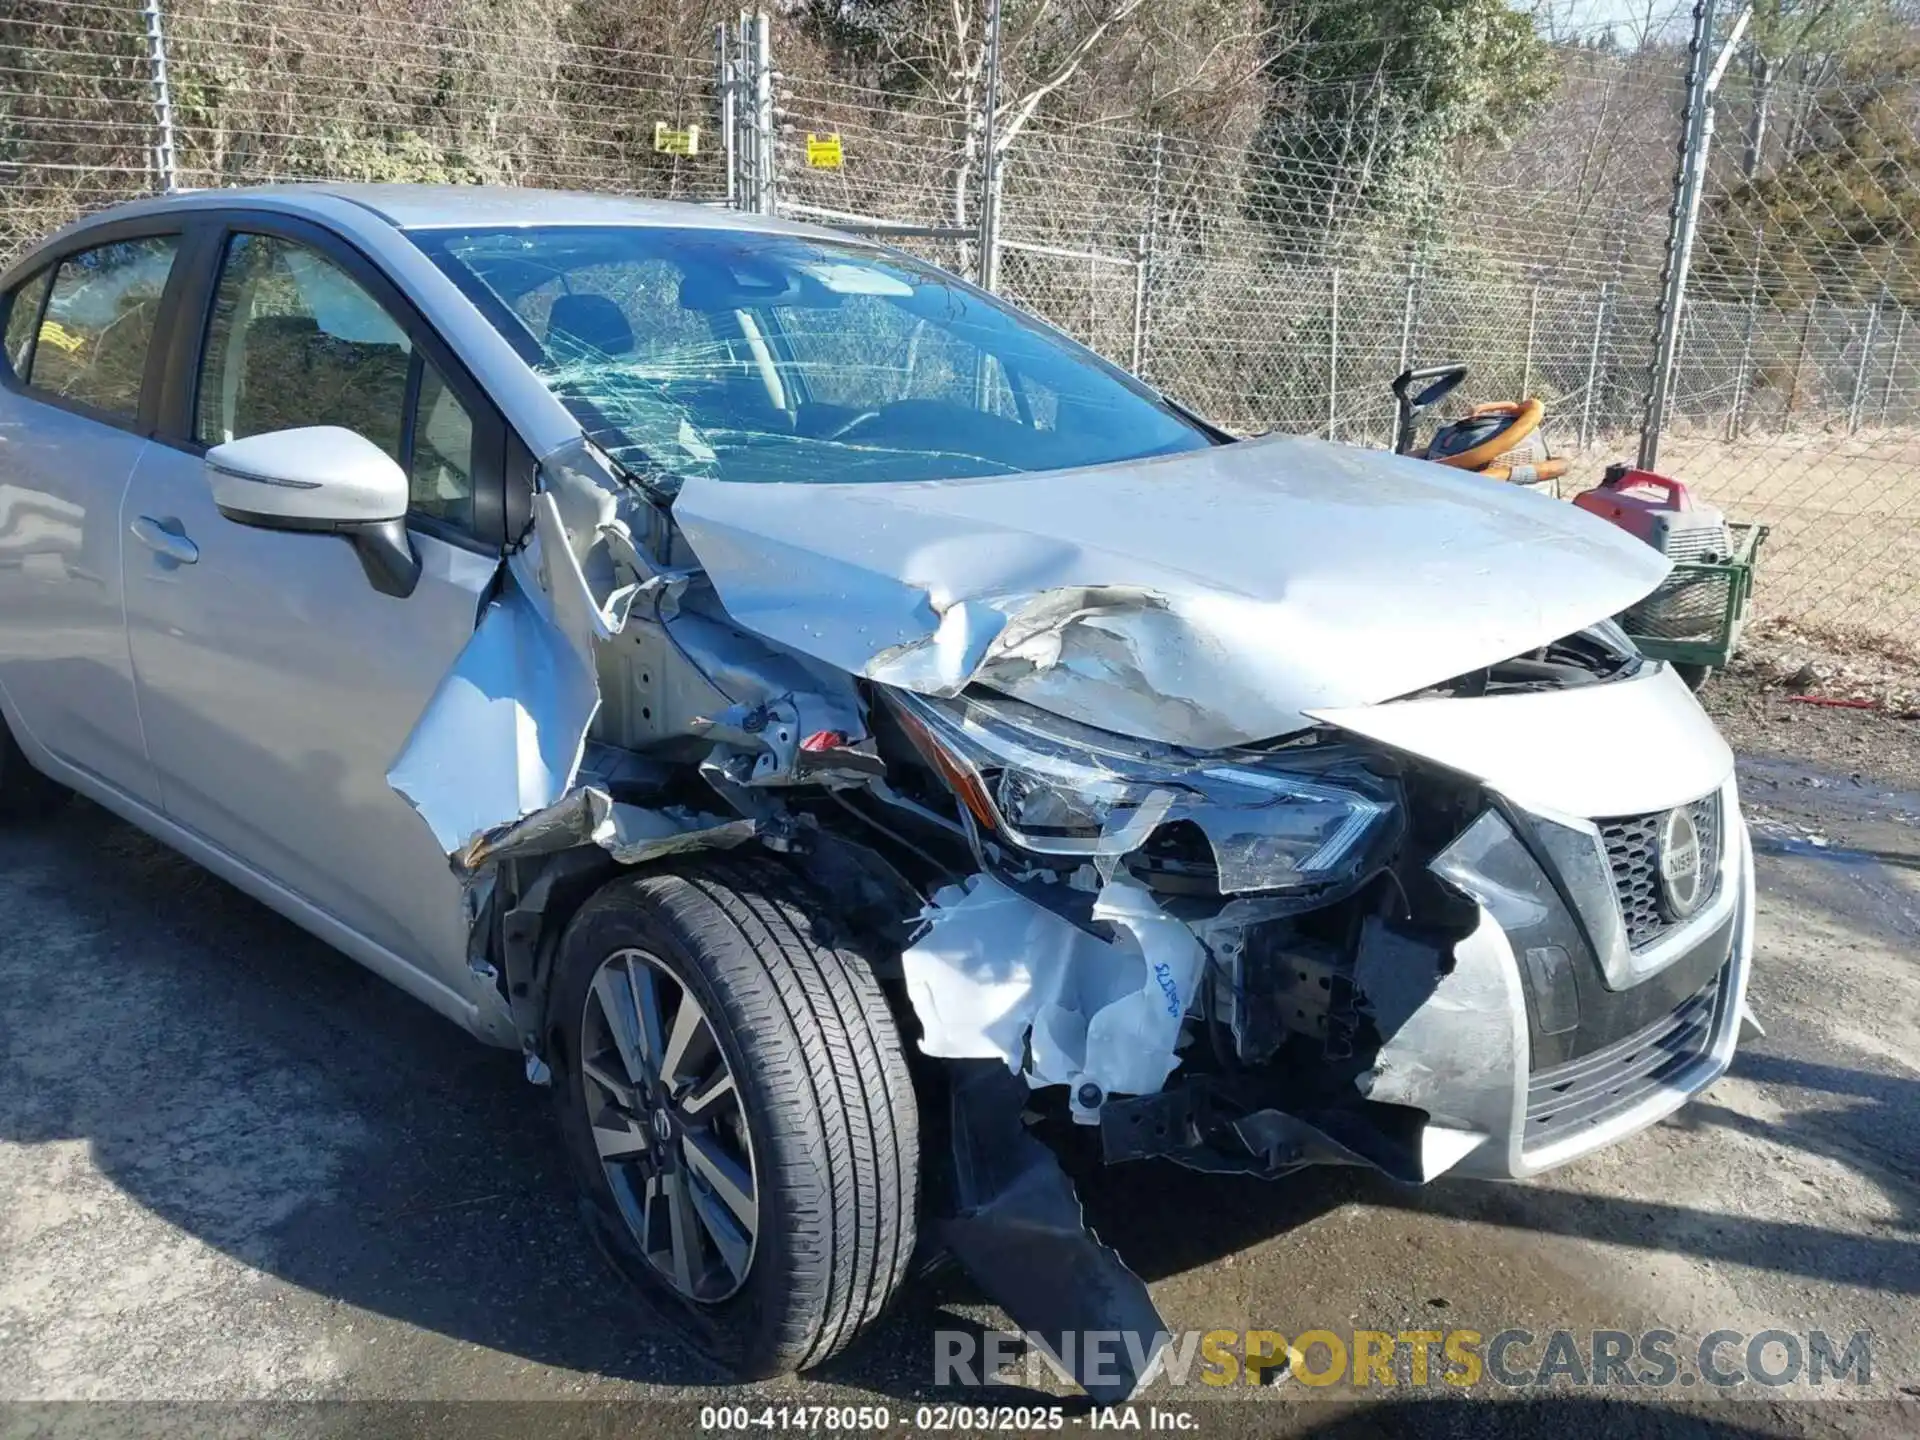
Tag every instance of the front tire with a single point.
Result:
(735, 1105)
(25, 794)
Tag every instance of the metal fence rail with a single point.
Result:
(1253, 273)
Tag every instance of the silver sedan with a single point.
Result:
(802, 703)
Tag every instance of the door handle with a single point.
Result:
(165, 537)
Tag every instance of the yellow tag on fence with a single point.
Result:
(676, 142)
(823, 152)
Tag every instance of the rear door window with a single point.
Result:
(92, 341)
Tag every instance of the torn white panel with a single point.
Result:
(1130, 1042)
(503, 734)
(998, 977)
(989, 960)
(1203, 599)
(1525, 745)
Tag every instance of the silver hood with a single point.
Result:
(1206, 599)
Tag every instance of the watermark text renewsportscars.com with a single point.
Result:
(1462, 1359)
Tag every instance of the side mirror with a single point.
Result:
(324, 480)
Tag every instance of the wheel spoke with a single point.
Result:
(702, 1098)
(619, 1139)
(734, 1243)
(682, 1226)
(614, 994)
(620, 1088)
(643, 983)
(689, 1044)
(728, 1177)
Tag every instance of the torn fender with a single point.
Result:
(1205, 599)
(503, 734)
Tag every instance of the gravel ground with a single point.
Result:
(236, 1168)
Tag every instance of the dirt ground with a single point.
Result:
(240, 1174)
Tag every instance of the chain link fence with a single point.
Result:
(1256, 273)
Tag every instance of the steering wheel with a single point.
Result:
(1523, 418)
(850, 424)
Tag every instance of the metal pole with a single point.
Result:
(1593, 363)
(1893, 361)
(1533, 322)
(1741, 375)
(1139, 353)
(1149, 257)
(769, 198)
(1866, 359)
(163, 157)
(1406, 317)
(1800, 358)
(1696, 134)
(990, 164)
(745, 156)
(723, 88)
(1333, 358)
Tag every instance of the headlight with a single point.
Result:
(1049, 787)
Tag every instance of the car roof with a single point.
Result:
(434, 207)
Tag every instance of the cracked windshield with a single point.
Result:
(739, 356)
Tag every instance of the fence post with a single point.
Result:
(1333, 357)
(990, 160)
(163, 158)
(1745, 370)
(1893, 361)
(746, 150)
(767, 197)
(1533, 322)
(723, 92)
(1406, 315)
(1142, 251)
(1593, 362)
(1800, 357)
(1696, 134)
(1866, 358)
(1148, 270)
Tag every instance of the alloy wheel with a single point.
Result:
(670, 1126)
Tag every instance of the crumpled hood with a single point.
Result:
(1205, 599)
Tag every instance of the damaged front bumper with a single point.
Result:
(1557, 1064)
(1555, 1020)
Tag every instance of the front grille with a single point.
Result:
(1633, 854)
(1585, 1092)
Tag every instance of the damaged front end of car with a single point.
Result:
(1222, 870)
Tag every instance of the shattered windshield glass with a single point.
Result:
(739, 356)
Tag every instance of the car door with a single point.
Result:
(277, 684)
(76, 406)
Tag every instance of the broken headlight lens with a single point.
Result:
(1050, 787)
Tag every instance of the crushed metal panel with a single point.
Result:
(1453, 1035)
(503, 734)
(1019, 1232)
(1203, 599)
(588, 815)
